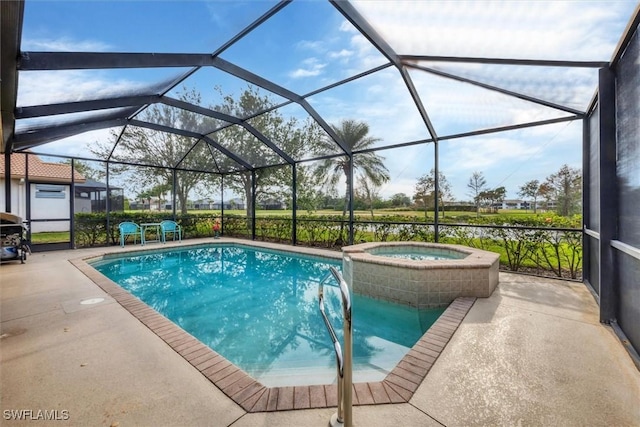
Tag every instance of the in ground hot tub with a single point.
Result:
(422, 275)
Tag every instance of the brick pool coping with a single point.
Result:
(397, 387)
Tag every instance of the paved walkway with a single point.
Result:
(532, 354)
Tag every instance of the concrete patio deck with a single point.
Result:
(532, 353)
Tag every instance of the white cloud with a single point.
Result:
(365, 53)
(301, 72)
(48, 87)
(346, 27)
(512, 158)
(311, 67)
(77, 145)
(64, 44)
(344, 53)
(484, 153)
(456, 107)
(517, 29)
(345, 56)
(571, 87)
(315, 45)
(395, 186)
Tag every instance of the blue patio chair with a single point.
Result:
(129, 228)
(172, 227)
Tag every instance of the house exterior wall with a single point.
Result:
(49, 208)
(52, 208)
(18, 198)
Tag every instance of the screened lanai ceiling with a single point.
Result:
(80, 74)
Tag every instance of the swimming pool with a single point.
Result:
(259, 309)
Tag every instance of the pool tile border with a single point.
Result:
(398, 386)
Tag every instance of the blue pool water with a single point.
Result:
(259, 309)
(418, 254)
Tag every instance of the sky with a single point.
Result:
(309, 44)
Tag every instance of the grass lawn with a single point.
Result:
(50, 237)
(365, 214)
(302, 212)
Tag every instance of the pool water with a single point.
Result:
(259, 309)
(418, 254)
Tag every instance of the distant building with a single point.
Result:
(525, 204)
(206, 204)
(210, 204)
(271, 204)
(513, 204)
(91, 197)
(236, 203)
(147, 204)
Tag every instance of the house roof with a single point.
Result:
(39, 170)
(93, 185)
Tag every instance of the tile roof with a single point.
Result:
(39, 170)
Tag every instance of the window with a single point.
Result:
(48, 191)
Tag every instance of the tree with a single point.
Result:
(565, 187)
(145, 196)
(195, 158)
(492, 198)
(331, 200)
(158, 191)
(309, 194)
(368, 191)
(291, 136)
(531, 190)
(546, 192)
(424, 194)
(499, 194)
(477, 184)
(400, 200)
(84, 169)
(138, 145)
(355, 135)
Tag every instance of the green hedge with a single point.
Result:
(543, 244)
(91, 229)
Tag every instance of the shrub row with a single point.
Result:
(92, 229)
(543, 244)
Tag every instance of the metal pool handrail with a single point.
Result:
(344, 361)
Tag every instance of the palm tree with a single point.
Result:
(355, 135)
